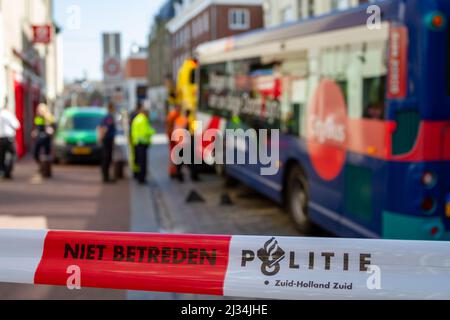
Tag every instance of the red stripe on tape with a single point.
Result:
(149, 262)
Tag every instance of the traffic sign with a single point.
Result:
(42, 34)
(112, 67)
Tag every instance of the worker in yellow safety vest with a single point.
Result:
(131, 117)
(42, 133)
(141, 133)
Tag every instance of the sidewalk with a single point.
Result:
(249, 214)
(161, 207)
(74, 199)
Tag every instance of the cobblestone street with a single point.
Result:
(249, 213)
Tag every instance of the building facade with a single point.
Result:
(30, 71)
(160, 56)
(136, 78)
(278, 12)
(199, 21)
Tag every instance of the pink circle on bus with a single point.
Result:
(327, 130)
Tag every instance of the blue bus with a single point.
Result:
(363, 109)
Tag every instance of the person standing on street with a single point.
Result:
(142, 133)
(172, 117)
(135, 113)
(185, 121)
(132, 116)
(193, 167)
(42, 133)
(8, 127)
(106, 134)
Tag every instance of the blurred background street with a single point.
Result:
(75, 199)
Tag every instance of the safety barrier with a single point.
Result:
(233, 266)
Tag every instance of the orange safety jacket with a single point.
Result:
(181, 123)
(170, 122)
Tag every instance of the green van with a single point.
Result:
(76, 135)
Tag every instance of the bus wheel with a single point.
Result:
(297, 201)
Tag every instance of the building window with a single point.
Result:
(200, 25)
(195, 29)
(177, 40)
(300, 13)
(311, 9)
(205, 22)
(179, 34)
(187, 35)
(287, 14)
(340, 4)
(239, 19)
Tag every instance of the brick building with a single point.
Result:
(277, 12)
(136, 78)
(199, 21)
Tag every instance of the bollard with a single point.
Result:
(119, 167)
(45, 167)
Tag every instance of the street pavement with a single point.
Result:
(75, 199)
(168, 211)
(249, 214)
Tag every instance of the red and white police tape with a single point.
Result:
(233, 266)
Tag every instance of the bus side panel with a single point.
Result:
(328, 203)
(294, 150)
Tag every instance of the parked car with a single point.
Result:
(76, 135)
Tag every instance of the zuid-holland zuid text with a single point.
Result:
(314, 285)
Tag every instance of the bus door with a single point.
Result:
(367, 133)
(347, 136)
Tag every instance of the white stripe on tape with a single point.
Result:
(237, 266)
(312, 268)
(20, 254)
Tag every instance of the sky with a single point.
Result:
(83, 22)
